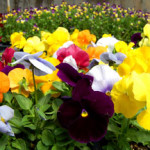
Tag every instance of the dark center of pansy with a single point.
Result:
(84, 113)
(108, 93)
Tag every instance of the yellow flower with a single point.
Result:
(123, 47)
(146, 30)
(21, 81)
(57, 39)
(34, 45)
(138, 61)
(50, 79)
(17, 40)
(129, 95)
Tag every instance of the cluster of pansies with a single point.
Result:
(99, 19)
(65, 86)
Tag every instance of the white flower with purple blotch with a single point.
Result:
(41, 66)
(6, 113)
(104, 78)
(110, 58)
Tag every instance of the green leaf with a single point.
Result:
(44, 100)
(61, 86)
(19, 144)
(41, 146)
(47, 138)
(24, 103)
(56, 104)
(3, 142)
(8, 97)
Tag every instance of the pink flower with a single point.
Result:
(80, 56)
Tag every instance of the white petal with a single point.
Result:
(71, 61)
(104, 76)
(5, 128)
(40, 66)
(6, 112)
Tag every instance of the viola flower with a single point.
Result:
(17, 40)
(33, 45)
(104, 78)
(107, 41)
(86, 114)
(135, 38)
(70, 75)
(7, 56)
(4, 85)
(81, 57)
(110, 58)
(6, 113)
(95, 52)
(129, 94)
(23, 81)
(41, 66)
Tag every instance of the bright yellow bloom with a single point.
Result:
(21, 81)
(17, 40)
(146, 30)
(57, 39)
(138, 61)
(129, 94)
(34, 45)
(123, 47)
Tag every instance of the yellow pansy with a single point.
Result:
(17, 40)
(146, 30)
(34, 45)
(129, 95)
(57, 39)
(123, 47)
(23, 77)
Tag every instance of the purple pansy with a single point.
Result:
(7, 69)
(87, 114)
(69, 75)
(135, 38)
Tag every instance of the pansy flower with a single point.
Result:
(110, 58)
(4, 85)
(86, 114)
(81, 57)
(70, 75)
(6, 57)
(23, 81)
(41, 66)
(104, 78)
(6, 113)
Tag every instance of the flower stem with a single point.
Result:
(35, 91)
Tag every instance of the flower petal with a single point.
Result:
(6, 112)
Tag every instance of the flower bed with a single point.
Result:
(70, 89)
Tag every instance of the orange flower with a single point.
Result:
(84, 37)
(95, 52)
(4, 85)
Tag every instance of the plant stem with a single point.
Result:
(35, 92)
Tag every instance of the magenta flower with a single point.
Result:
(81, 57)
(86, 114)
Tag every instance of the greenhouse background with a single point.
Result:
(143, 5)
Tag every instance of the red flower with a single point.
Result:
(7, 56)
(81, 57)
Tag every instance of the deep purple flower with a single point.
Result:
(7, 69)
(69, 75)
(87, 114)
(135, 38)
